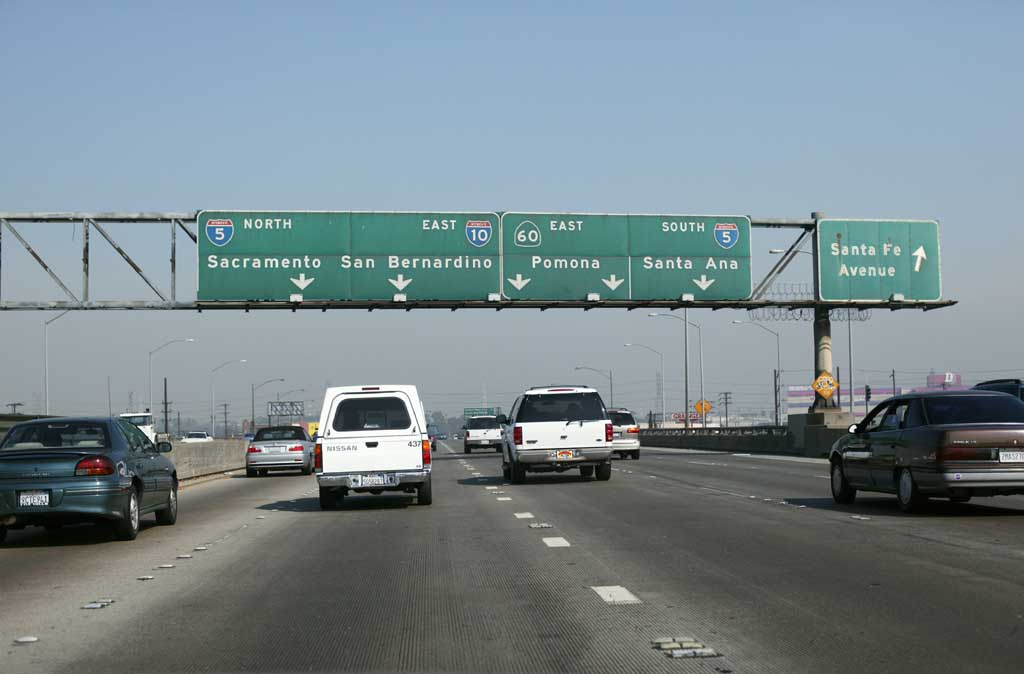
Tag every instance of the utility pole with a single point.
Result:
(110, 407)
(686, 369)
(14, 407)
(167, 408)
(724, 399)
(775, 382)
(179, 424)
(894, 381)
(225, 407)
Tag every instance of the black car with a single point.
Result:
(84, 469)
(1014, 387)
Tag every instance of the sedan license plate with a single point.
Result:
(564, 454)
(375, 480)
(1011, 457)
(33, 498)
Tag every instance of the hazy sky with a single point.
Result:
(774, 110)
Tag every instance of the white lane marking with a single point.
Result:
(742, 454)
(524, 516)
(556, 542)
(823, 477)
(504, 498)
(490, 488)
(708, 463)
(476, 474)
(615, 594)
(723, 491)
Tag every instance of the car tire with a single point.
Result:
(264, 472)
(467, 450)
(308, 470)
(506, 472)
(604, 472)
(636, 454)
(586, 471)
(169, 515)
(3, 532)
(127, 528)
(907, 495)
(842, 492)
(250, 472)
(424, 493)
(328, 498)
(518, 473)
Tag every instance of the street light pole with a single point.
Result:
(213, 407)
(46, 361)
(173, 341)
(700, 362)
(778, 364)
(607, 375)
(661, 358)
(686, 369)
(254, 387)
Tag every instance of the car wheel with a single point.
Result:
(250, 472)
(506, 472)
(127, 528)
(518, 473)
(960, 499)
(424, 493)
(636, 454)
(909, 498)
(264, 472)
(328, 498)
(467, 450)
(3, 532)
(586, 471)
(308, 470)
(604, 472)
(842, 492)
(169, 515)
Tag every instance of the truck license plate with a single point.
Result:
(564, 454)
(33, 498)
(375, 480)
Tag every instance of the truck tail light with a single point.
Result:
(295, 448)
(318, 457)
(609, 432)
(633, 429)
(94, 465)
(467, 435)
(517, 435)
(426, 452)
(253, 450)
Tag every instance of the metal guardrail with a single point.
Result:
(767, 430)
(746, 438)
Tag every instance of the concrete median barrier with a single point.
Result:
(195, 459)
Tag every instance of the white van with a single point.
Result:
(372, 439)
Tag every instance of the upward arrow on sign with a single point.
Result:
(919, 255)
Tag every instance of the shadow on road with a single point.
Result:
(351, 502)
(883, 506)
(69, 535)
(278, 474)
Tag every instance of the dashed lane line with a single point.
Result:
(615, 594)
(556, 542)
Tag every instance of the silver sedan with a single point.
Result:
(279, 448)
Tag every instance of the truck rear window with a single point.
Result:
(562, 407)
(371, 413)
(482, 423)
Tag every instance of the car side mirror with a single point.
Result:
(163, 447)
(502, 420)
(852, 429)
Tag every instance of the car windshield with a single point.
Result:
(481, 423)
(622, 419)
(287, 433)
(57, 435)
(372, 413)
(983, 409)
(562, 407)
(139, 419)
(196, 434)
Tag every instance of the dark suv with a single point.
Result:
(1014, 387)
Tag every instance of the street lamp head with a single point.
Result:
(735, 322)
(654, 313)
(627, 345)
(243, 361)
(190, 339)
(776, 251)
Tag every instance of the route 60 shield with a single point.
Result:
(478, 232)
(219, 232)
(726, 234)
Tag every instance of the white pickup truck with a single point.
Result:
(372, 439)
(482, 432)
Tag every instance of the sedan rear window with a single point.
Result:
(562, 407)
(64, 435)
(985, 409)
(290, 433)
(482, 423)
(372, 413)
(622, 419)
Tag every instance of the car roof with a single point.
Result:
(66, 420)
(1018, 382)
(560, 388)
(373, 388)
(279, 428)
(620, 409)
(948, 394)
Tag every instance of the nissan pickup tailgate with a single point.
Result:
(376, 445)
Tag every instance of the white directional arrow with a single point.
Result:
(400, 282)
(613, 282)
(704, 282)
(919, 255)
(302, 281)
(519, 282)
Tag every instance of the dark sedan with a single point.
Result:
(62, 471)
(952, 445)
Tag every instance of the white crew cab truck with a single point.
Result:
(557, 428)
(372, 439)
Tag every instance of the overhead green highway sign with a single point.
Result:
(879, 260)
(306, 256)
(579, 256)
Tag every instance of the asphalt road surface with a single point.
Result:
(744, 554)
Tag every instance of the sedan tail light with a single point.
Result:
(967, 454)
(633, 429)
(426, 452)
(295, 448)
(318, 457)
(253, 449)
(517, 435)
(94, 465)
(609, 432)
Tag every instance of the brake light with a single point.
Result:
(94, 465)
(295, 448)
(253, 450)
(966, 454)
(609, 433)
(558, 390)
(426, 452)
(318, 457)
(371, 388)
(467, 434)
(633, 429)
(517, 435)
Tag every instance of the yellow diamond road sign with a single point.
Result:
(825, 385)
(702, 406)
